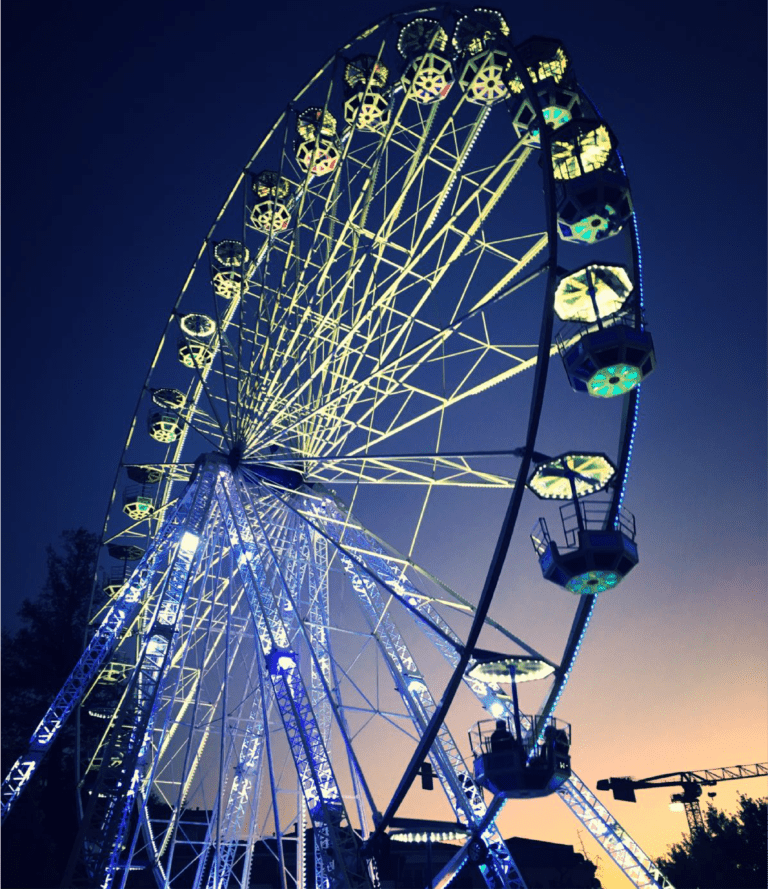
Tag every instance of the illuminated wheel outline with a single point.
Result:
(222, 410)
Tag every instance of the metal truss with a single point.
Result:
(335, 841)
(368, 567)
(137, 594)
(638, 867)
(279, 543)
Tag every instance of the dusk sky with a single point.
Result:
(126, 125)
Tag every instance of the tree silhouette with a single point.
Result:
(728, 853)
(38, 835)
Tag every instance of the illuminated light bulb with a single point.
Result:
(189, 542)
(285, 662)
(497, 709)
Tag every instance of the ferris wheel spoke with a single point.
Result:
(417, 355)
(236, 375)
(217, 442)
(299, 538)
(436, 336)
(373, 711)
(319, 285)
(337, 329)
(177, 472)
(200, 385)
(202, 371)
(251, 323)
(502, 286)
(424, 470)
(311, 510)
(386, 566)
(416, 255)
(377, 436)
(339, 243)
(309, 752)
(270, 390)
(513, 160)
(457, 602)
(230, 379)
(395, 374)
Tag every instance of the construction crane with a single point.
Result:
(691, 782)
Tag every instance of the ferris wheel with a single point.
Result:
(355, 375)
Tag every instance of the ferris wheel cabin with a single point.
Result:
(599, 548)
(429, 72)
(518, 756)
(517, 768)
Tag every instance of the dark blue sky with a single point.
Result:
(126, 125)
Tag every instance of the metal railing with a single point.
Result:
(538, 733)
(583, 514)
(571, 331)
(594, 517)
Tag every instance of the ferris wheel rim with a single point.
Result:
(539, 368)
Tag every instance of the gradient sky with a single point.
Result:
(126, 125)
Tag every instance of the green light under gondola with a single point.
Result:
(591, 582)
(615, 380)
